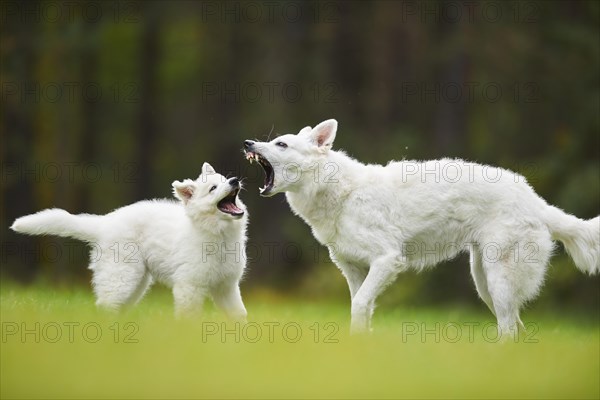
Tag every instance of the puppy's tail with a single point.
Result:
(58, 222)
(581, 238)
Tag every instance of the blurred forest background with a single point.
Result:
(106, 103)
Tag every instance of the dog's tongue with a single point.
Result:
(231, 208)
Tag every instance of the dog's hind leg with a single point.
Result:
(116, 285)
(382, 273)
(479, 277)
(515, 275)
(141, 289)
(189, 298)
(504, 297)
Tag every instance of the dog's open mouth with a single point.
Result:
(267, 167)
(227, 204)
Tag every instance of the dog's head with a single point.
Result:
(289, 160)
(210, 194)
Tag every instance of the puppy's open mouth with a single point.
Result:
(227, 204)
(267, 167)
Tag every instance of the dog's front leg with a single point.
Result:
(355, 276)
(383, 272)
(228, 298)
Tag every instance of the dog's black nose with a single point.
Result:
(234, 182)
(248, 143)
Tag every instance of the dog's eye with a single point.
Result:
(213, 187)
(281, 144)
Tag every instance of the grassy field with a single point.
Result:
(55, 344)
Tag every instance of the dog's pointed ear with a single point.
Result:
(305, 131)
(207, 169)
(183, 190)
(323, 134)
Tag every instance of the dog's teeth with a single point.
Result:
(256, 157)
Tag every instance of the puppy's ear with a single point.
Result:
(207, 169)
(184, 190)
(305, 131)
(323, 134)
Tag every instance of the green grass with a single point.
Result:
(162, 358)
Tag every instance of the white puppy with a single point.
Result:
(379, 220)
(196, 245)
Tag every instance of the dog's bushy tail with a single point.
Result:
(58, 222)
(581, 238)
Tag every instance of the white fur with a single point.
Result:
(190, 245)
(379, 220)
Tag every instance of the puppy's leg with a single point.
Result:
(116, 285)
(479, 278)
(188, 299)
(142, 288)
(227, 297)
(382, 273)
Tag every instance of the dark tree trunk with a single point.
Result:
(89, 121)
(17, 133)
(147, 124)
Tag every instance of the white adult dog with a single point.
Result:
(196, 246)
(379, 220)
